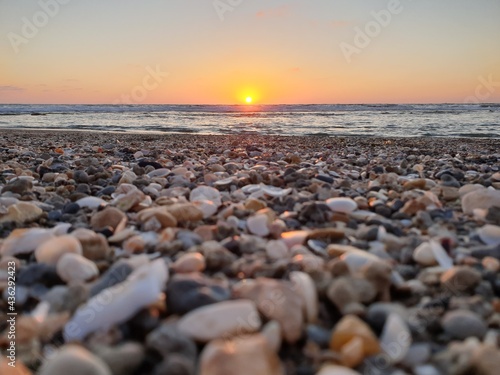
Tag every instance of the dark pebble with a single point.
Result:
(186, 292)
(71, 208)
(38, 273)
(154, 164)
(115, 275)
(54, 215)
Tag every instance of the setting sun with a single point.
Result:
(249, 99)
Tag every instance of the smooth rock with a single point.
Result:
(249, 355)
(167, 340)
(91, 202)
(21, 213)
(277, 249)
(123, 359)
(94, 245)
(206, 193)
(277, 300)
(190, 262)
(186, 292)
(461, 324)
(221, 320)
(395, 334)
(52, 250)
(160, 214)
(74, 360)
(18, 186)
(461, 279)
(185, 212)
(350, 327)
(480, 199)
(259, 225)
(336, 370)
(343, 205)
(74, 268)
(489, 234)
(109, 217)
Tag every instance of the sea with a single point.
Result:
(381, 120)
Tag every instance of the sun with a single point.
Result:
(249, 100)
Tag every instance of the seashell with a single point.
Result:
(396, 338)
(304, 285)
(24, 241)
(275, 191)
(118, 303)
(221, 320)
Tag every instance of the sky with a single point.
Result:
(272, 51)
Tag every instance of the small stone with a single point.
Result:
(249, 355)
(185, 212)
(123, 359)
(109, 217)
(349, 327)
(395, 332)
(116, 274)
(167, 340)
(254, 204)
(74, 268)
(344, 205)
(91, 202)
(220, 320)
(52, 250)
(6, 369)
(75, 360)
(190, 262)
(186, 292)
(486, 360)
(461, 324)
(80, 176)
(94, 245)
(164, 218)
(18, 186)
(461, 279)
(303, 284)
(480, 199)
(259, 225)
(277, 249)
(336, 370)
(490, 234)
(21, 213)
(276, 300)
(24, 241)
(491, 264)
(415, 184)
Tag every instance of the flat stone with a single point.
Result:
(276, 300)
(490, 234)
(94, 245)
(461, 324)
(221, 320)
(75, 360)
(109, 217)
(190, 262)
(349, 327)
(167, 340)
(461, 279)
(18, 186)
(344, 205)
(74, 268)
(52, 250)
(249, 355)
(21, 213)
(480, 199)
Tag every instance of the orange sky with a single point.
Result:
(208, 52)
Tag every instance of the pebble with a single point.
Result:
(480, 199)
(490, 234)
(109, 217)
(460, 324)
(221, 320)
(248, 355)
(94, 246)
(25, 241)
(259, 225)
(278, 301)
(343, 205)
(336, 370)
(51, 251)
(21, 213)
(461, 279)
(186, 292)
(190, 262)
(74, 268)
(76, 360)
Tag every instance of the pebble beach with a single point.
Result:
(174, 254)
